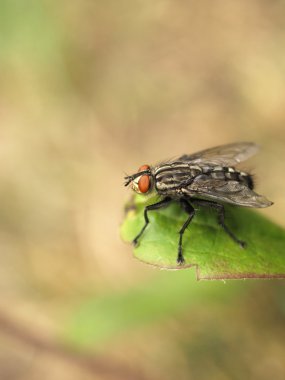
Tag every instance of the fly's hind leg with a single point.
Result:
(191, 211)
(221, 218)
(155, 206)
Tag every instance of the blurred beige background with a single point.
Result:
(89, 91)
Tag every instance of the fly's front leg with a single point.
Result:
(191, 211)
(221, 218)
(155, 206)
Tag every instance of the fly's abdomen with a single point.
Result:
(230, 174)
(235, 175)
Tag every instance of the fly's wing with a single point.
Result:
(225, 155)
(233, 192)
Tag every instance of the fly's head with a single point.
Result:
(142, 181)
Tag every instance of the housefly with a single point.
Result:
(207, 178)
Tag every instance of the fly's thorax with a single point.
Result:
(169, 178)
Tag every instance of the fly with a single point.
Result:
(205, 179)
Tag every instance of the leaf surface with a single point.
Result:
(205, 244)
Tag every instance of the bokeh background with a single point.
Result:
(89, 91)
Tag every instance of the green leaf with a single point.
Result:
(205, 245)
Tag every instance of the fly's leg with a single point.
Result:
(221, 218)
(155, 206)
(191, 211)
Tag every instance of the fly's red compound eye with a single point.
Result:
(144, 183)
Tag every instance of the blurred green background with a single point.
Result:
(90, 90)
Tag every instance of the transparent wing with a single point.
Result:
(225, 155)
(225, 191)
